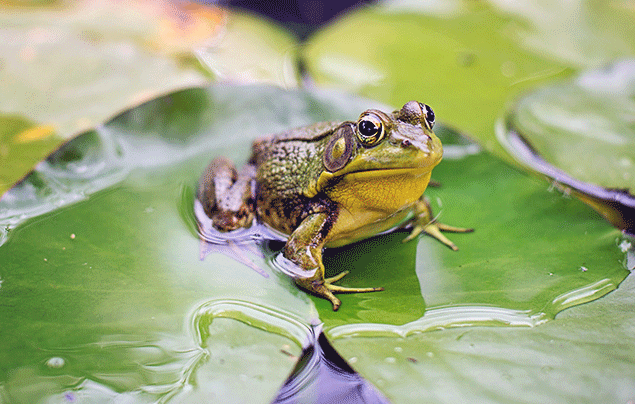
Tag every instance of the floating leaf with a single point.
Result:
(581, 135)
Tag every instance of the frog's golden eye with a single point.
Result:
(429, 115)
(370, 129)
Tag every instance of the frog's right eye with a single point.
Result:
(370, 129)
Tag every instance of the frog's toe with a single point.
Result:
(434, 229)
(416, 230)
(320, 289)
(331, 297)
(336, 278)
(328, 283)
(342, 289)
(326, 290)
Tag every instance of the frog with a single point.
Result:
(330, 184)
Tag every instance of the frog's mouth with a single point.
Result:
(388, 172)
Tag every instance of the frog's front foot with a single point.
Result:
(424, 222)
(325, 288)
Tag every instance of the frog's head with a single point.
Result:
(381, 147)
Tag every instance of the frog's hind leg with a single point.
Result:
(227, 195)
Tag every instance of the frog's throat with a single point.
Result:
(380, 175)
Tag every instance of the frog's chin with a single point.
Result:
(371, 177)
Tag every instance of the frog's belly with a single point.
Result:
(350, 228)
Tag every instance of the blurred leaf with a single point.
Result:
(252, 50)
(72, 65)
(589, 118)
(580, 135)
(104, 296)
(22, 145)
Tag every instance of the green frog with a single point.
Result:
(331, 184)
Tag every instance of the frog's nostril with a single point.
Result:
(405, 143)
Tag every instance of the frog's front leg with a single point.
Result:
(304, 249)
(425, 222)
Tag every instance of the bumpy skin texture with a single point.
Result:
(331, 184)
(287, 163)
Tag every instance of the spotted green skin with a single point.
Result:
(330, 184)
(286, 166)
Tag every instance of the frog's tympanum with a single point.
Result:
(331, 184)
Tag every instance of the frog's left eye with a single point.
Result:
(370, 130)
(429, 115)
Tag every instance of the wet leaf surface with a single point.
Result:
(580, 134)
(107, 297)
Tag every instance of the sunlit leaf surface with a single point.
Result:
(104, 296)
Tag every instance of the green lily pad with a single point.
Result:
(73, 65)
(580, 135)
(104, 295)
(585, 119)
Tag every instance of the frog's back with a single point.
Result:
(286, 163)
(306, 134)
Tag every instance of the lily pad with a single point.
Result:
(73, 65)
(589, 118)
(104, 295)
(580, 134)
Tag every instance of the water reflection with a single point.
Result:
(322, 376)
(237, 244)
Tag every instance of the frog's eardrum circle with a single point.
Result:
(339, 148)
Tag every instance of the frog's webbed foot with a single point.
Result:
(424, 222)
(325, 288)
